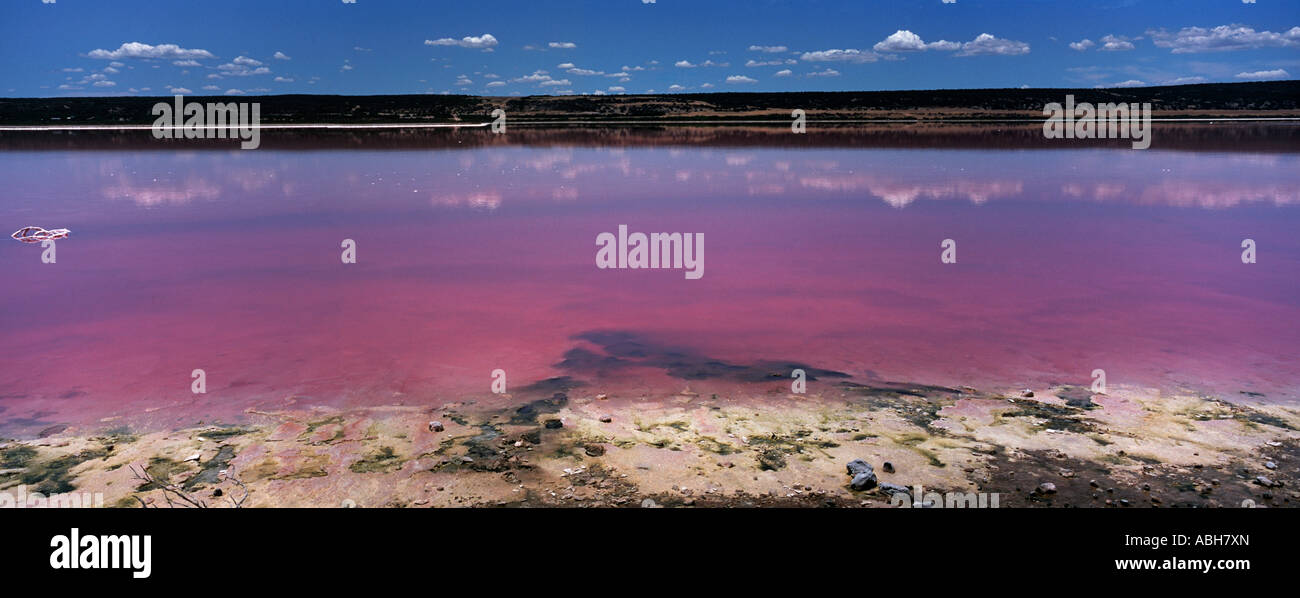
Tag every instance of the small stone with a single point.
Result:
(1270, 465)
(194, 457)
(1263, 481)
(606, 419)
(648, 504)
(553, 424)
(1046, 488)
(594, 450)
(1094, 484)
(602, 396)
(888, 467)
(1027, 393)
(436, 427)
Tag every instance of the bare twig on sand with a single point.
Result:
(176, 496)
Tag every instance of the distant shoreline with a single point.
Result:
(1212, 101)
(612, 123)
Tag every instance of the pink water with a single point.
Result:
(475, 259)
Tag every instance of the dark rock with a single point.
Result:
(888, 467)
(606, 419)
(864, 481)
(864, 476)
(532, 436)
(892, 489)
(594, 450)
(858, 466)
(553, 424)
(436, 427)
(1046, 488)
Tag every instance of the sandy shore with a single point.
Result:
(1063, 446)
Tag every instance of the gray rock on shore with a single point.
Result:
(864, 476)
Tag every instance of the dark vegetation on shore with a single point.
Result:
(1272, 98)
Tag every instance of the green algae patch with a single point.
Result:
(1054, 417)
(715, 446)
(55, 476)
(382, 461)
(210, 472)
(225, 432)
(16, 457)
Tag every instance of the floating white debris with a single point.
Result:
(36, 234)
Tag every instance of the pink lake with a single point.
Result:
(477, 257)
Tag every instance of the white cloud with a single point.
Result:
(826, 73)
(675, 87)
(186, 63)
(906, 41)
(617, 89)
(1191, 40)
(495, 84)
(284, 79)
(1082, 45)
(555, 83)
(1129, 83)
(104, 84)
(536, 77)
(783, 73)
(482, 41)
(1184, 81)
(139, 50)
(179, 90)
(281, 56)
(211, 87)
(243, 66)
(73, 70)
(1112, 43)
(986, 44)
(462, 80)
(769, 49)
(1264, 75)
(778, 62)
(734, 79)
(565, 65)
(234, 92)
(850, 55)
(562, 45)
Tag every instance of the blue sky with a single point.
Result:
(139, 47)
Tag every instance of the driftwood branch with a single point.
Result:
(174, 494)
